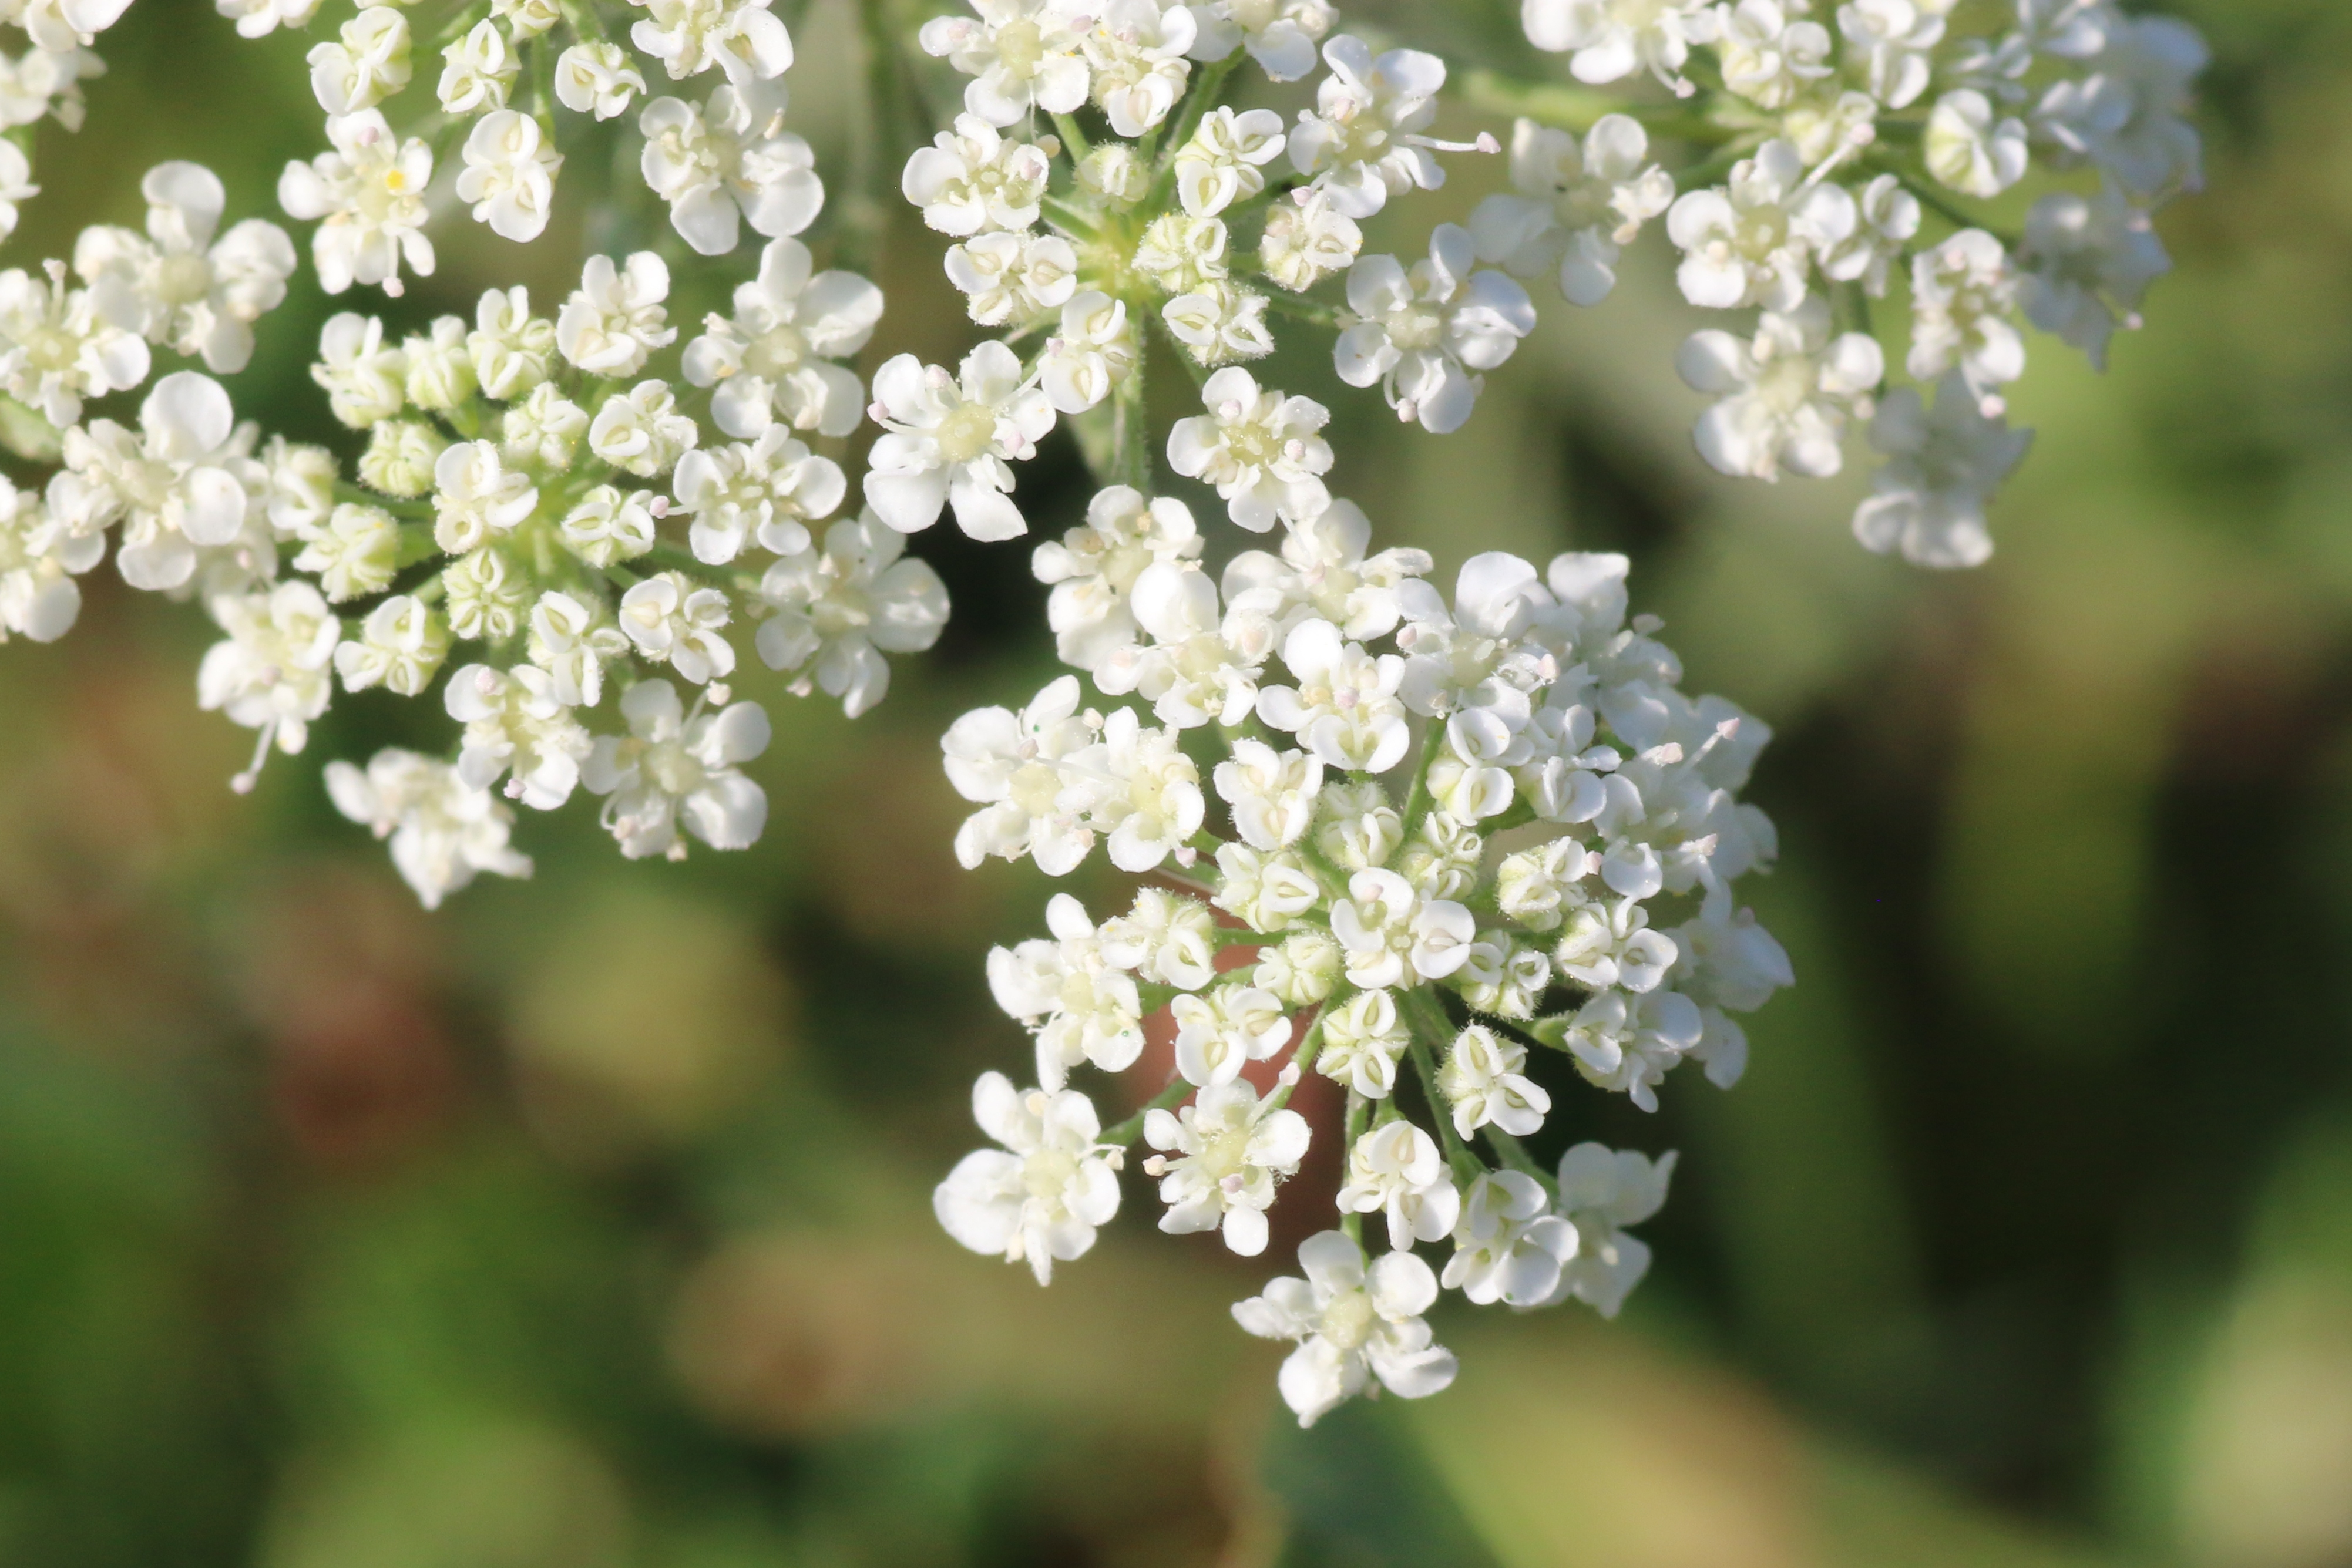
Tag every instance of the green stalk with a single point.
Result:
(1121, 1134)
(1359, 1112)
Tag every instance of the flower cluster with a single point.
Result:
(1505, 840)
(43, 82)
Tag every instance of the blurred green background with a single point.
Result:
(585, 1225)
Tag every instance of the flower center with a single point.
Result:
(183, 279)
(1348, 1321)
(674, 770)
(1021, 47)
(1416, 328)
(777, 352)
(967, 432)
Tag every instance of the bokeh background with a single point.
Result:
(586, 1224)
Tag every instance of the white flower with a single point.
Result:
(56, 348)
(1021, 54)
(731, 157)
(1395, 937)
(355, 554)
(1042, 1201)
(1363, 1038)
(510, 174)
(1630, 1046)
(440, 370)
(1307, 239)
(2085, 264)
(1928, 501)
(1969, 151)
(2125, 115)
(1442, 861)
(773, 360)
(771, 487)
(1962, 293)
(475, 497)
(1887, 219)
(1230, 1149)
(298, 487)
(1224, 161)
(1280, 35)
(1602, 1191)
(672, 621)
(1352, 1323)
(39, 558)
(1575, 205)
(176, 287)
(273, 673)
(478, 71)
(1261, 450)
(1507, 1246)
(1080, 999)
(1421, 334)
(484, 598)
(15, 184)
(399, 458)
(641, 430)
(46, 82)
(1785, 396)
(1145, 793)
(1165, 938)
(1180, 253)
(527, 18)
(596, 75)
(1272, 794)
(1345, 707)
(1536, 887)
(1196, 670)
(369, 194)
(1006, 276)
(1090, 356)
(443, 833)
(1827, 130)
(512, 350)
(615, 318)
(400, 647)
(1751, 242)
(364, 378)
(1014, 765)
(1115, 176)
(174, 487)
(1396, 1169)
(1897, 39)
(947, 441)
(608, 525)
(1605, 944)
(1304, 969)
(366, 64)
(1265, 892)
(678, 764)
(838, 612)
(970, 180)
(1611, 39)
(1361, 143)
(544, 428)
(1093, 570)
(259, 19)
(570, 645)
(738, 36)
(514, 721)
(1766, 58)
(1474, 656)
(1138, 52)
(1360, 829)
(1486, 1084)
(1323, 572)
(1503, 977)
(1218, 323)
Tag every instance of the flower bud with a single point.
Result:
(1113, 173)
(355, 555)
(399, 459)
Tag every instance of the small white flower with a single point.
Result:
(970, 180)
(1232, 1149)
(1629, 1047)
(1280, 35)
(770, 488)
(440, 370)
(366, 64)
(1022, 55)
(364, 378)
(1766, 58)
(1507, 1246)
(512, 350)
(1886, 220)
(545, 428)
(672, 621)
(15, 184)
(1166, 938)
(674, 765)
(527, 18)
(1272, 794)
(1042, 1201)
(1968, 150)
(486, 599)
(615, 318)
(1898, 40)
(1942, 467)
(369, 194)
(401, 646)
(1361, 142)
(1363, 1039)
(176, 286)
(1602, 1191)
(1136, 50)
(1536, 887)
(1324, 572)
(2085, 264)
(272, 674)
(259, 19)
(1091, 356)
(608, 525)
(1345, 707)
(1143, 792)
(1352, 1324)
(515, 723)
(39, 559)
(355, 554)
(1093, 570)
(596, 75)
(1304, 969)
(1421, 334)
(443, 833)
(1114, 175)
(727, 163)
(742, 37)
(478, 71)
(1485, 1083)
(1197, 669)
(1080, 999)
(1442, 861)
(1963, 292)
(1007, 277)
(572, 644)
(1360, 829)
(838, 611)
(476, 495)
(400, 457)
(1504, 978)
(1224, 161)
(1575, 205)
(1611, 39)
(510, 174)
(1395, 1170)
(947, 439)
(641, 430)
(1261, 450)
(1014, 765)
(772, 361)
(1395, 937)
(1265, 892)
(1307, 239)
(1751, 242)
(2125, 114)
(1785, 397)
(58, 347)
(174, 487)
(1218, 323)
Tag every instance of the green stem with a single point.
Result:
(1358, 1113)
(1417, 802)
(1130, 461)
(1299, 308)
(1074, 140)
(1467, 1167)
(1121, 1134)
